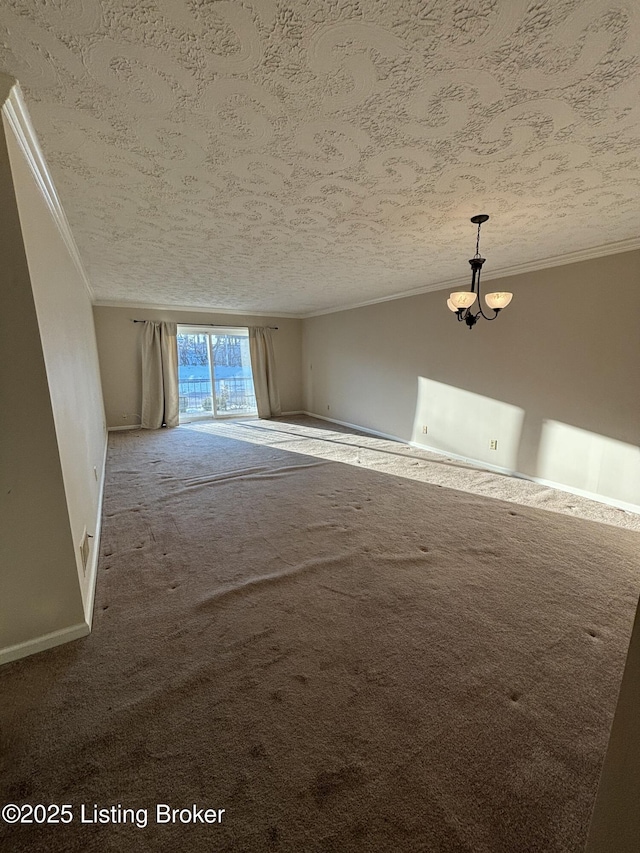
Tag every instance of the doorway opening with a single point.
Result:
(214, 373)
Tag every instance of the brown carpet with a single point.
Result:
(394, 654)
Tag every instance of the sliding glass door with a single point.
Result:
(214, 373)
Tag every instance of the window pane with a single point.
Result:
(194, 376)
(233, 377)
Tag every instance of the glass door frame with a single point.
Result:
(212, 373)
(214, 331)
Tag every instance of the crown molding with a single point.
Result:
(6, 85)
(630, 245)
(192, 309)
(17, 115)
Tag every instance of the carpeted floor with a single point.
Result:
(346, 644)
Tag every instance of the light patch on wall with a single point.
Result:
(589, 461)
(466, 423)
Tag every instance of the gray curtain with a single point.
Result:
(159, 375)
(263, 365)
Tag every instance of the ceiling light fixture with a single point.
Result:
(461, 301)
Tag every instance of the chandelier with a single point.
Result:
(462, 301)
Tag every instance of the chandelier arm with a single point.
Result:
(485, 316)
(481, 312)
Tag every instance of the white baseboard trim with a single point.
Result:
(592, 496)
(368, 430)
(489, 466)
(64, 635)
(213, 420)
(561, 487)
(47, 641)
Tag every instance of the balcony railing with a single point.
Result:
(232, 396)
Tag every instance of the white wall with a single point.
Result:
(53, 432)
(121, 361)
(554, 379)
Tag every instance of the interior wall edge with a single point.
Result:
(615, 819)
(63, 490)
(18, 117)
(92, 568)
(46, 641)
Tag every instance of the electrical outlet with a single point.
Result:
(328, 408)
(124, 417)
(424, 429)
(493, 444)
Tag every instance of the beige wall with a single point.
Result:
(120, 356)
(554, 379)
(52, 422)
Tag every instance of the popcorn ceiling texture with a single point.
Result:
(290, 157)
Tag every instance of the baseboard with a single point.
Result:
(368, 430)
(561, 487)
(603, 499)
(478, 463)
(47, 641)
(213, 420)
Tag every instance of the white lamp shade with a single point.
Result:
(462, 299)
(451, 306)
(499, 299)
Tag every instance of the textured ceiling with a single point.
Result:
(295, 156)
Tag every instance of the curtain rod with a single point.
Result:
(213, 325)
